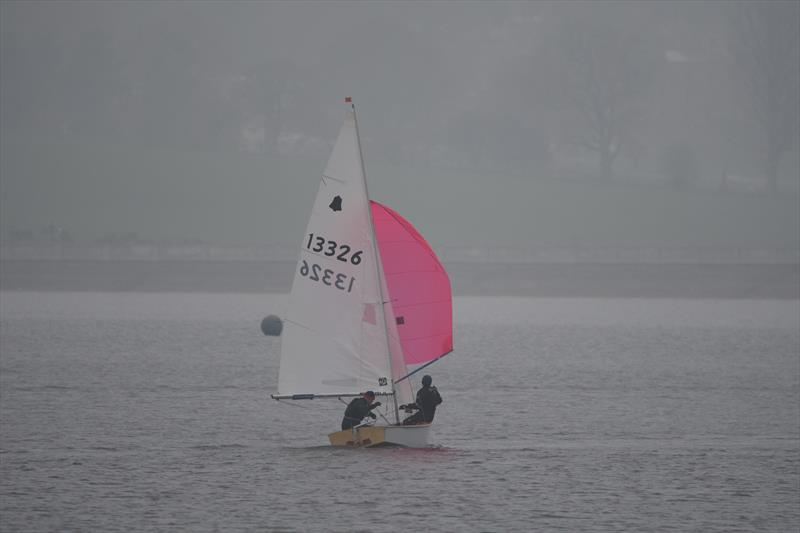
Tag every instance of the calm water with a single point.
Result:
(151, 412)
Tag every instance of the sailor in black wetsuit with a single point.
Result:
(358, 409)
(427, 400)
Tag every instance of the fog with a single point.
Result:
(566, 124)
(612, 188)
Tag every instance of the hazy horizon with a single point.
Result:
(212, 122)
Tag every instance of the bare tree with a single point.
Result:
(603, 68)
(765, 45)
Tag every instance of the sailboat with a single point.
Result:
(370, 304)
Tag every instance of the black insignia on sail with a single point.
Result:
(336, 204)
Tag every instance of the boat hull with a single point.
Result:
(417, 436)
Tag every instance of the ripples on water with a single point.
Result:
(134, 411)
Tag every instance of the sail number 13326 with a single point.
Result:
(328, 277)
(331, 248)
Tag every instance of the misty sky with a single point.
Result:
(483, 122)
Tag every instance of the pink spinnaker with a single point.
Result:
(419, 288)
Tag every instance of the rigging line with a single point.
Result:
(298, 324)
(325, 176)
(429, 363)
(292, 404)
(375, 250)
(325, 409)
(385, 419)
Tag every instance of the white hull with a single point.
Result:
(418, 436)
(409, 436)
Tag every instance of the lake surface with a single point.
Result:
(134, 411)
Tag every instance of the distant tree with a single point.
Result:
(765, 44)
(498, 142)
(679, 162)
(602, 69)
(22, 236)
(54, 234)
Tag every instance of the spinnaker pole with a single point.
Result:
(429, 363)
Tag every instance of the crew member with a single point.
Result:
(358, 409)
(427, 400)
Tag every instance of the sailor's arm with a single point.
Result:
(437, 398)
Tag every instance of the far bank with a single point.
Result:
(468, 278)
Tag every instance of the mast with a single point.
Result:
(378, 264)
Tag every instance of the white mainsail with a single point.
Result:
(339, 334)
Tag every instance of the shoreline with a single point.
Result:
(550, 280)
